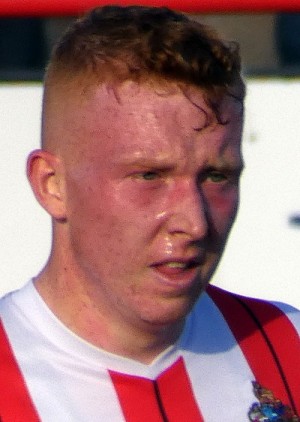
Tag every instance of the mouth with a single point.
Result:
(180, 265)
(179, 271)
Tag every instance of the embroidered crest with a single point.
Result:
(269, 408)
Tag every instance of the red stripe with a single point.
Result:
(139, 400)
(15, 402)
(177, 394)
(280, 333)
(285, 341)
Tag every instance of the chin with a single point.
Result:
(166, 314)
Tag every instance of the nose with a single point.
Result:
(189, 213)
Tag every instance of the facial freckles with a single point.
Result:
(150, 199)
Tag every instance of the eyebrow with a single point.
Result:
(235, 166)
(144, 161)
(230, 166)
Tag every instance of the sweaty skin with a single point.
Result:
(149, 186)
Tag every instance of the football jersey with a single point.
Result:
(228, 343)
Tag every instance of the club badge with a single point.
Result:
(269, 408)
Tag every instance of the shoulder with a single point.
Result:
(5, 301)
(17, 310)
(236, 308)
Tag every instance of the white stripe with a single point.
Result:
(220, 375)
(292, 313)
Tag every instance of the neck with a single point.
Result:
(76, 307)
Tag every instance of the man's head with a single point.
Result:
(113, 44)
(141, 159)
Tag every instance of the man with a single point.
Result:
(139, 170)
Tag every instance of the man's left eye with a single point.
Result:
(216, 176)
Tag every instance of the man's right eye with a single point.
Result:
(149, 175)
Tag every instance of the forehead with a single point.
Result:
(146, 117)
(154, 100)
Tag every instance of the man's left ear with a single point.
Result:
(44, 171)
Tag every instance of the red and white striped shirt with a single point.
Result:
(47, 373)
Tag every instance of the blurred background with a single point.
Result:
(262, 258)
(270, 42)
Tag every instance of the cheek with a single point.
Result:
(222, 208)
(141, 206)
(141, 195)
(87, 210)
(101, 219)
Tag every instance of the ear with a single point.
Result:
(44, 171)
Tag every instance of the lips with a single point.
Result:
(177, 269)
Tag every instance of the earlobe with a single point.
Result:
(45, 175)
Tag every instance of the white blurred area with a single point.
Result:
(262, 255)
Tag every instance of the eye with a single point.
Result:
(149, 175)
(216, 176)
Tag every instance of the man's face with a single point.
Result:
(152, 191)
